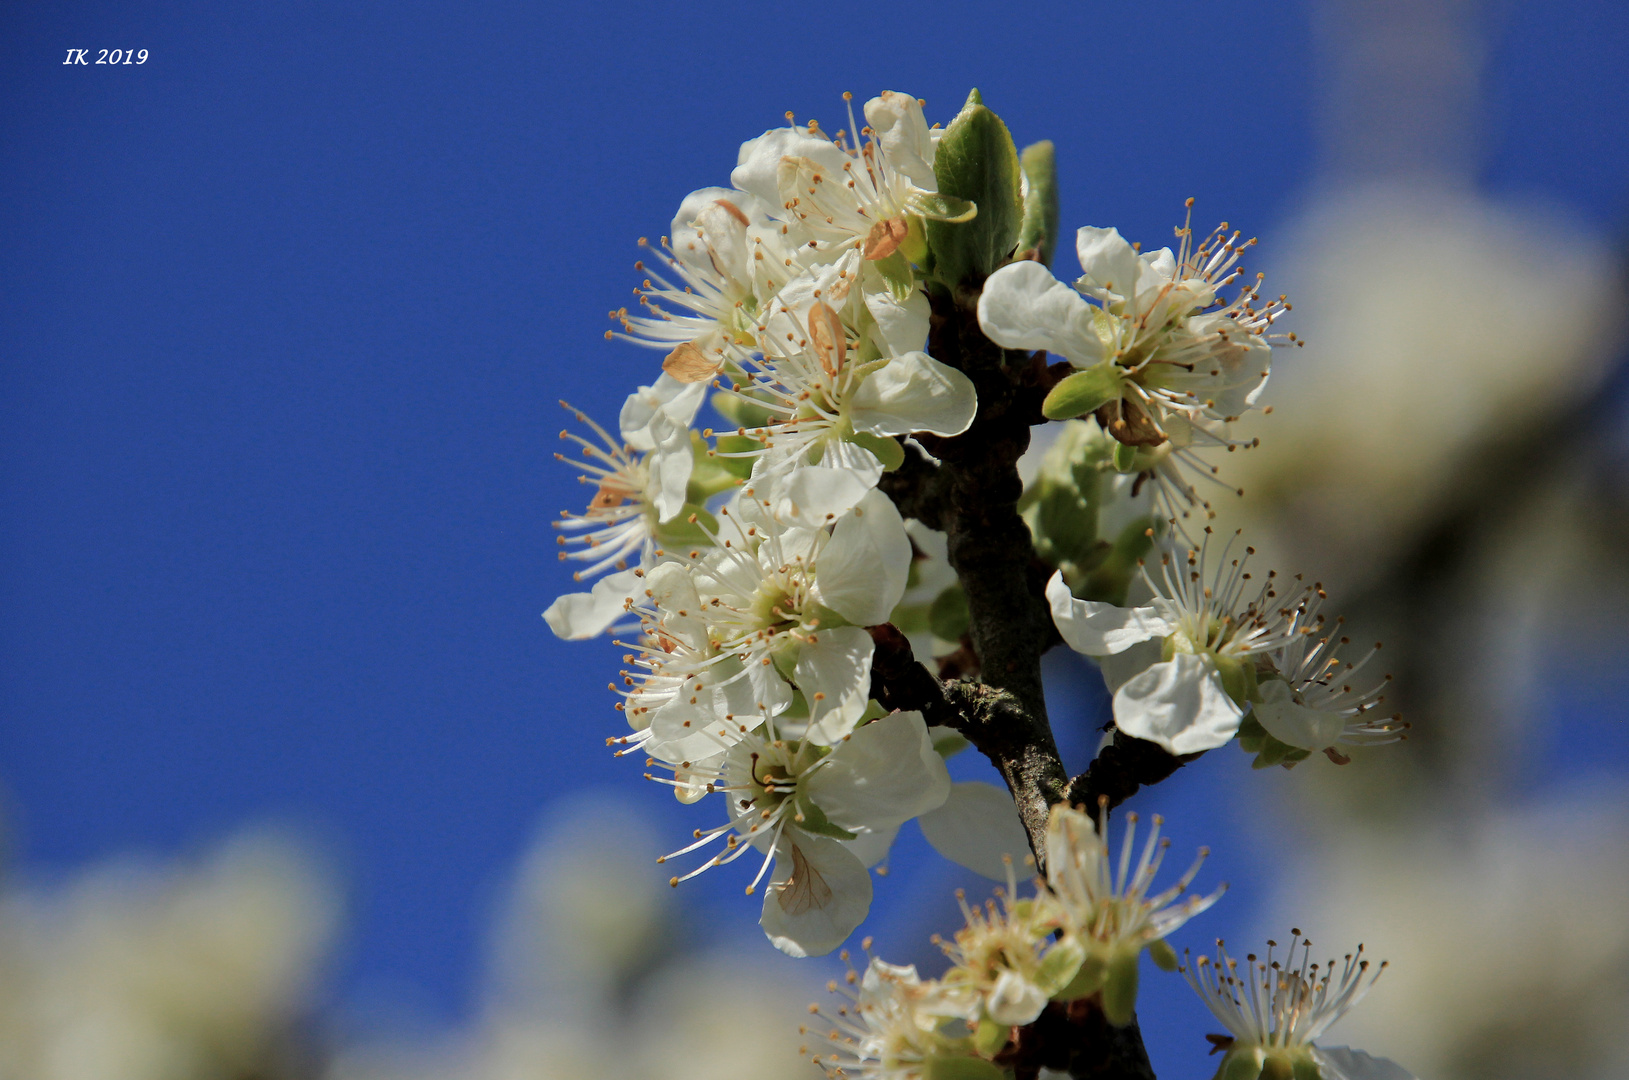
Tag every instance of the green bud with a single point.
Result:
(1120, 987)
(1083, 392)
(1039, 230)
(888, 450)
(1164, 957)
(976, 161)
(990, 1037)
(949, 618)
(945, 1067)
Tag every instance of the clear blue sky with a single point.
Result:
(284, 313)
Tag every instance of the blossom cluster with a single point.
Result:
(743, 565)
(1078, 941)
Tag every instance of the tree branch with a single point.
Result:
(1122, 767)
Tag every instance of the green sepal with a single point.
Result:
(1164, 957)
(1125, 458)
(1277, 1067)
(941, 1067)
(810, 818)
(1120, 988)
(896, 271)
(1241, 1063)
(887, 449)
(977, 162)
(1084, 392)
(739, 410)
(1039, 229)
(873, 711)
(1088, 979)
(1238, 679)
(1305, 1068)
(937, 206)
(915, 245)
(950, 745)
(709, 474)
(989, 1037)
(1252, 736)
(736, 444)
(1272, 753)
(1060, 965)
(949, 617)
(679, 533)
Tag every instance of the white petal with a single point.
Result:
(818, 893)
(577, 616)
(1119, 668)
(1024, 307)
(1344, 1063)
(1110, 262)
(862, 570)
(903, 132)
(914, 393)
(882, 775)
(978, 824)
(1179, 704)
(758, 163)
(815, 494)
(679, 400)
(682, 732)
(1098, 629)
(1294, 724)
(903, 327)
(834, 673)
(1014, 999)
(668, 466)
(872, 847)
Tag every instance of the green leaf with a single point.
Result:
(949, 618)
(942, 207)
(887, 449)
(976, 162)
(1039, 230)
(1083, 392)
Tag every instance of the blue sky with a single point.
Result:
(285, 311)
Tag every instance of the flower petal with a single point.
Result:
(758, 164)
(582, 615)
(977, 824)
(818, 893)
(1024, 307)
(1179, 704)
(913, 393)
(1344, 1063)
(1119, 668)
(1098, 629)
(902, 130)
(903, 326)
(679, 400)
(882, 775)
(862, 570)
(1110, 264)
(834, 673)
(1294, 724)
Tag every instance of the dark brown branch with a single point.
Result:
(1122, 767)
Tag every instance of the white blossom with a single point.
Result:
(821, 815)
(1182, 668)
(1154, 327)
(1275, 1010)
